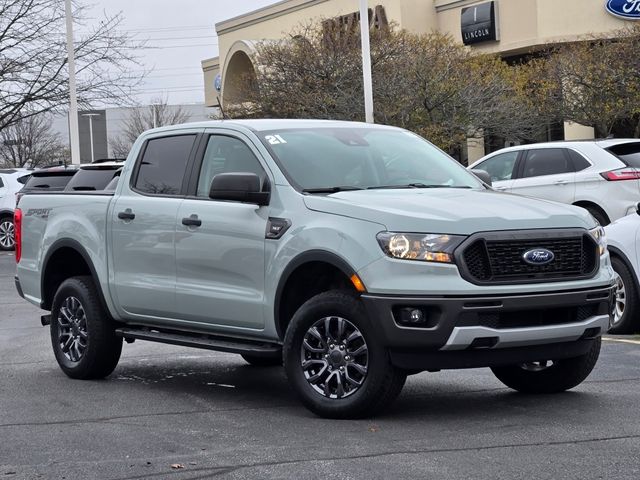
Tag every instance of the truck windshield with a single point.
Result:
(326, 160)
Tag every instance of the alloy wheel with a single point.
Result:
(7, 234)
(620, 300)
(334, 357)
(72, 329)
(536, 366)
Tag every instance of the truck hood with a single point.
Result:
(453, 211)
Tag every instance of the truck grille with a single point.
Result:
(490, 259)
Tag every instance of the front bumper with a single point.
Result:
(476, 324)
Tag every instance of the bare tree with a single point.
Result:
(30, 142)
(142, 118)
(33, 60)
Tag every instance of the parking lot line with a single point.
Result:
(621, 340)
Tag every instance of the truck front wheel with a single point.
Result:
(334, 361)
(549, 376)
(82, 334)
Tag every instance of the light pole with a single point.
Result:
(91, 115)
(366, 61)
(74, 136)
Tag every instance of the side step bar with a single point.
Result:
(232, 345)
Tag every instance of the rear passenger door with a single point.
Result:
(143, 219)
(546, 173)
(220, 261)
(501, 168)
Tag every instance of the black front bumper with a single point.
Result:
(420, 346)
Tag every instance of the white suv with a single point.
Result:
(602, 176)
(9, 186)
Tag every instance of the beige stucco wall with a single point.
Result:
(210, 68)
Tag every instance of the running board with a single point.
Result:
(201, 341)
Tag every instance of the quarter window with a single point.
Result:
(500, 166)
(163, 165)
(546, 161)
(225, 155)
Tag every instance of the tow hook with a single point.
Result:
(45, 320)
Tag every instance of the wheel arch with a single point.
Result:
(288, 298)
(6, 213)
(66, 258)
(617, 253)
(587, 204)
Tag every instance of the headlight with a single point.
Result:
(600, 237)
(425, 247)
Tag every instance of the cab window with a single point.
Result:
(500, 166)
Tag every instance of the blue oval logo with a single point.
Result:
(624, 8)
(217, 82)
(539, 256)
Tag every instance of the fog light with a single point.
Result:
(416, 316)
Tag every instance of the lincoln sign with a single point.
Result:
(479, 23)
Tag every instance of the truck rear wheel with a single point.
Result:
(82, 334)
(549, 376)
(334, 361)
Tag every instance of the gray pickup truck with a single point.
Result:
(355, 254)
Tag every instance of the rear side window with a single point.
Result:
(500, 166)
(629, 153)
(163, 165)
(91, 179)
(579, 162)
(546, 161)
(48, 181)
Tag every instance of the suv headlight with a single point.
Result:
(425, 247)
(600, 237)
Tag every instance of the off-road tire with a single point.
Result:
(560, 376)
(383, 381)
(103, 347)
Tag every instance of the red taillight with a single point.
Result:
(17, 232)
(621, 174)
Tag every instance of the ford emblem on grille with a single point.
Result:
(538, 256)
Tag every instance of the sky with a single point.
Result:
(182, 33)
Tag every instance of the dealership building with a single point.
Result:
(508, 27)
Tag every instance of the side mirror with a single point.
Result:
(239, 187)
(638, 208)
(482, 175)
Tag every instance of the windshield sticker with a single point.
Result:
(275, 139)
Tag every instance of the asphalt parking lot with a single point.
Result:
(171, 412)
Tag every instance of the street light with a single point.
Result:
(74, 138)
(91, 115)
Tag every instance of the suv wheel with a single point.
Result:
(625, 313)
(82, 334)
(7, 234)
(549, 376)
(334, 361)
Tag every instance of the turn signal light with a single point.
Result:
(17, 233)
(621, 174)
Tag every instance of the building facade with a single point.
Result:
(507, 27)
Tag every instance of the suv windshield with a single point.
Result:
(333, 159)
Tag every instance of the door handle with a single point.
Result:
(192, 221)
(500, 189)
(126, 215)
(561, 182)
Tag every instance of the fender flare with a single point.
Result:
(306, 257)
(77, 246)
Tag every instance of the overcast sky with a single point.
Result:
(183, 32)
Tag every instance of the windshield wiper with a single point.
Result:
(346, 188)
(416, 185)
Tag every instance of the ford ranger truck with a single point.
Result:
(355, 254)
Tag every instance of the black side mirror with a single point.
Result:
(482, 175)
(638, 208)
(239, 187)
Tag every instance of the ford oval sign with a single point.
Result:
(539, 256)
(624, 8)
